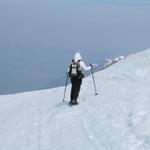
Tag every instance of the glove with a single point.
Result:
(94, 65)
(91, 65)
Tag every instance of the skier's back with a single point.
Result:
(76, 74)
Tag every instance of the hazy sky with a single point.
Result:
(36, 33)
(70, 24)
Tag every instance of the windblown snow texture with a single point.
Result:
(116, 119)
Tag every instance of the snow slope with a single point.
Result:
(117, 119)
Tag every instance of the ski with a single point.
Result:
(73, 104)
(65, 103)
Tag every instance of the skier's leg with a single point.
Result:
(78, 86)
(73, 89)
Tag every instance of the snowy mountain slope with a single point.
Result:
(116, 119)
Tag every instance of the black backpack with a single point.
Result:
(75, 70)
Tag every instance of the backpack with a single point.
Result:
(75, 70)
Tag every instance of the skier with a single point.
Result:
(76, 74)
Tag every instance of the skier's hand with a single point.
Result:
(94, 65)
(91, 65)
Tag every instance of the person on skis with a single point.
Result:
(76, 74)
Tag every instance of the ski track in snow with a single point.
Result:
(90, 133)
(24, 132)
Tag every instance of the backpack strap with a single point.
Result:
(70, 69)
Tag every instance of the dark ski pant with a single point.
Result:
(75, 89)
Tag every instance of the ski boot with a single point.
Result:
(75, 102)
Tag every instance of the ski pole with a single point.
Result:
(93, 80)
(65, 87)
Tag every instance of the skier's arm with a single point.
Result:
(85, 68)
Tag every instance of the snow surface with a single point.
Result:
(116, 119)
